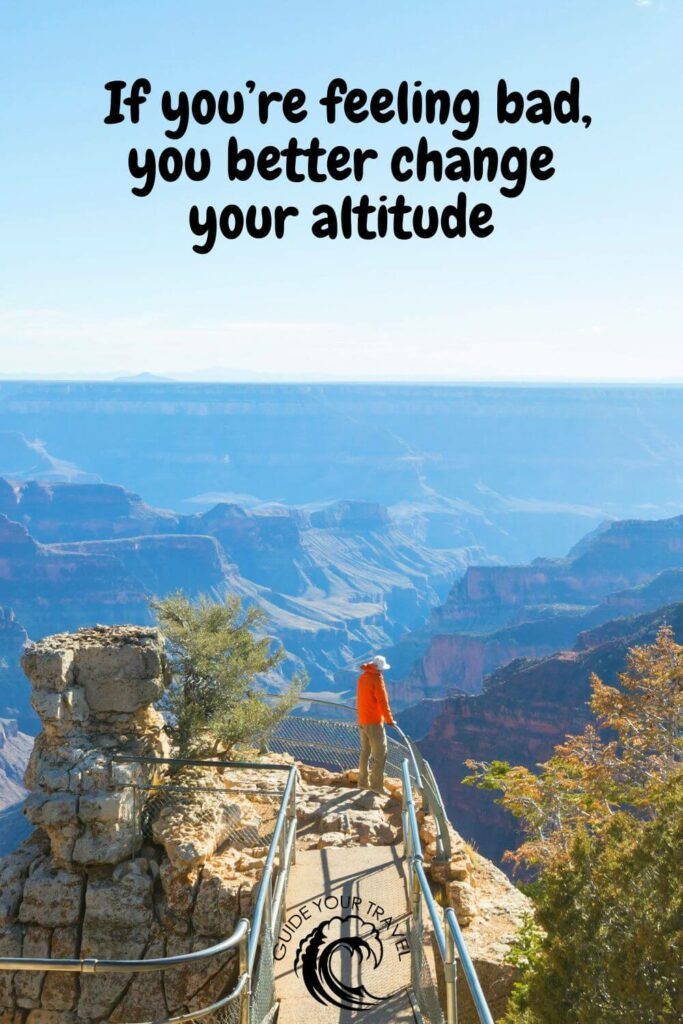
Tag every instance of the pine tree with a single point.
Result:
(219, 654)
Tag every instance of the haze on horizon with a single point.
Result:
(580, 281)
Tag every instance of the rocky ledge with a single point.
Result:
(490, 910)
(127, 862)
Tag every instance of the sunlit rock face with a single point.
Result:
(86, 883)
(93, 691)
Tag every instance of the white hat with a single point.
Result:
(380, 662)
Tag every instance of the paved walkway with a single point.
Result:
(343, 953)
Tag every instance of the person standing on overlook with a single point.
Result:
(373, 712)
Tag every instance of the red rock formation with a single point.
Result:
(624, 555)
(495, 614)
(461, 662)
(528, 707)
(34, 579)
(58, 512)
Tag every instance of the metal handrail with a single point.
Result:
(91, 965)
(284, 814)
(413, 752)
(246, 935)
(450, 935)
(468, 967)
(412, 836)
(191, 762)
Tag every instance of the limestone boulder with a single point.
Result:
(193, 825)
(222, 898)
(92, 690)
(52, 897)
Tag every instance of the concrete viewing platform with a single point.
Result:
(343, 952)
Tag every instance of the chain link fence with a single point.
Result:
(166, 808)
(230, 1014)
(422, 981)
(262, 999)
(324, 743)
(241, 814)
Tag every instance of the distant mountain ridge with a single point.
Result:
(523, 469)
(494, 614)
(336, 581)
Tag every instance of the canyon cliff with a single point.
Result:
(496, 614)
(15, 748)
(618, 556)
(335, 580)
(526, 709)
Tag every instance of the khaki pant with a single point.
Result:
(373, 743)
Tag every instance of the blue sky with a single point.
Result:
(581, 279)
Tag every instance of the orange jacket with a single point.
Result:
(372, 701)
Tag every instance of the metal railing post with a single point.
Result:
(408, 856)
(469, 971)
(245, 1000)
(282, 846)
(450, 966)
(292, 816)
(268, 910)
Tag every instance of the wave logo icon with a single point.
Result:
(329, 957)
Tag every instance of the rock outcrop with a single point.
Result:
(100, 877)
(93, 691)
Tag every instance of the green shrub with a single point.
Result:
(603, 823)
(217, 652)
